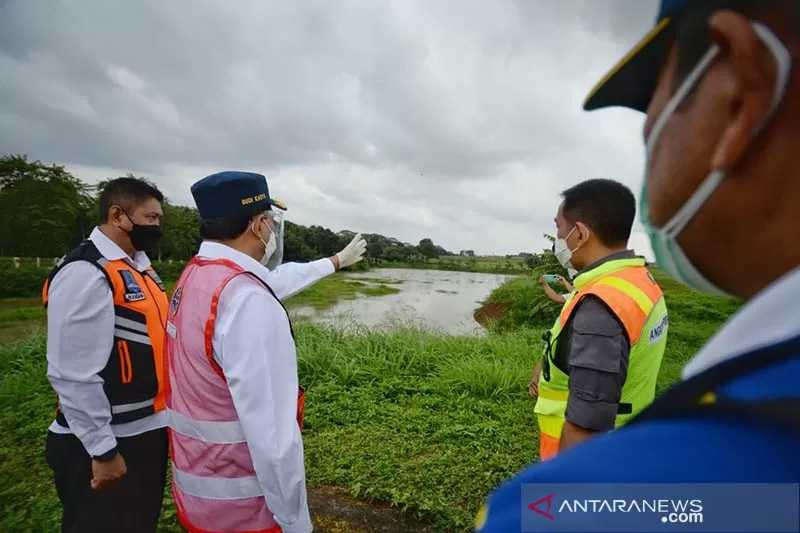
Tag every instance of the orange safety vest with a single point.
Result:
(631, 293)
(134, 378)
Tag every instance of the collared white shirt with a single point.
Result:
(766, 320)
(80, 336)
(253, 344)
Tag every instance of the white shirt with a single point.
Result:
(766, 320)
(253, 344)
(80, 336)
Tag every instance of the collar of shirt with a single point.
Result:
(625, 254)
(766, 320)
(217, 250)
(113, 252)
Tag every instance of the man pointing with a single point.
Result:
(235, 411)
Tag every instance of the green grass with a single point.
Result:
(27, 496)
(19, 318)
(428, 422)
(334, 288)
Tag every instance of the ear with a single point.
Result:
(255, 225)
(583, 232)
(115, 214)
(753, 77)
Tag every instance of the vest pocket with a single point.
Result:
(125, 365)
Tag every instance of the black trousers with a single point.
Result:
(132, 505)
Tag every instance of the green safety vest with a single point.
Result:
(629, 290)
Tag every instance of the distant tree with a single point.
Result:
(181, 232)
(427, 249)
(44, 210)
(295, 247)
(375, 248)
(441, 251)
(324, 241)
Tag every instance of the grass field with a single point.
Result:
(428, 422)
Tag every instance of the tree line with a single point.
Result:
(45, 211)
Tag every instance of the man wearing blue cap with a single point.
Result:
(719, 204)
(235, 407)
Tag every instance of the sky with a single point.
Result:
(456, 120)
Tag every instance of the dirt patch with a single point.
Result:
(333, 510)
(491, 312)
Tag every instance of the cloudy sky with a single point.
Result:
(455, 120)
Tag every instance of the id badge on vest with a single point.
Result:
(133, 292)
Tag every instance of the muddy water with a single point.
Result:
(434, 299)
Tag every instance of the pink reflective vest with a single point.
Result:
(214, 483)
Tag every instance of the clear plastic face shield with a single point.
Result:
(278, 218)
(272, 238)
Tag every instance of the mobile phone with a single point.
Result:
(552, 278)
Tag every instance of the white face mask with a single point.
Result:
(269, 246)
(669, 254)
(564, 254)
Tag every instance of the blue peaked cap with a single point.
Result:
(632, 81)
(232, 193)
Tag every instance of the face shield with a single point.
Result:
(275, 222)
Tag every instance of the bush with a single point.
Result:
(169, 271)
(23, 282)
(524, 301)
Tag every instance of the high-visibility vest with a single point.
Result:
(214, 482)
(134, 378)
(630, 291)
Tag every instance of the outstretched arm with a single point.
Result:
(552, 295)
(290, 278)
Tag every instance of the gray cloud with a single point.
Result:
(457, 120)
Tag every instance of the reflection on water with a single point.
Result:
(430, 299)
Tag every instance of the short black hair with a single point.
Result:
(226, 228)
(128, 192)
(693, 35)
(606, 206)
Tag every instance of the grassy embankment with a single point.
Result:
(428, 422)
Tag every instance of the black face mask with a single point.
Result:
(144, 238)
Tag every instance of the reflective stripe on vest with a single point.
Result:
(128, 407)
(227, 432)
(630, 292)
(217, 488)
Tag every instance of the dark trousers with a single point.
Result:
(132, 505)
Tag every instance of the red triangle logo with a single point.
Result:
(536, 507)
